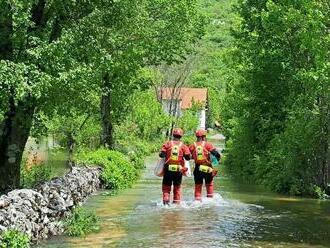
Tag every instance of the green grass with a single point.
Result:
(81, 222)
(14, 239)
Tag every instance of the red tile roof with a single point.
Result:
(186, 95)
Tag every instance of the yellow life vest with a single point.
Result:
(200, 152)
(175, 151)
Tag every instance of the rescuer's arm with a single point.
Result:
(187, 156)
(162, 153)
(186, 153)
(216, 154)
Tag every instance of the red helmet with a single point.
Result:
(200, 133)
(177, 132)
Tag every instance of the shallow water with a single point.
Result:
(238, 216)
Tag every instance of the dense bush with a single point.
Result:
(118, 171)
(131, 144)
(14, 239)
(34, 175)
(81, 222)
(277, 114)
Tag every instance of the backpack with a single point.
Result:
(175, 152)
(201, 153)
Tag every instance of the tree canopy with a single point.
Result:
(64, 57)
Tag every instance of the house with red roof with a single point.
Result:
(176, 100)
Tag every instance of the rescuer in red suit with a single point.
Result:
(204, 170)
(174, 152)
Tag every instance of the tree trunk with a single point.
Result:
(70, 148)
(14, 132)
(106, 119)
(107, 128)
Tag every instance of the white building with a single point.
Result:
(176, 100)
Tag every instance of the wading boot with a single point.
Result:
(166, 194)
(198, 192)
(177, 194)
(209, 190)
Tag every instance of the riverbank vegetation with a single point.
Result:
(81, 222)
(276, 112)
(14, 239)
(118, 171)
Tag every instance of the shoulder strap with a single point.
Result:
(171, 143)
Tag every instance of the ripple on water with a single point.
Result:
(216, 220)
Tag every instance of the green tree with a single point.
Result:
(153, 32)
(212, 69)
(277, 113)
(26, 79)
(54, 53)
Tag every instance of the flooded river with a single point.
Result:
(239, 216)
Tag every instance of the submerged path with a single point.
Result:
(239, 216)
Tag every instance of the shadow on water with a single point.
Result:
(238, 216)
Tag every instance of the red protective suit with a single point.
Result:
(201, 154)
(175, 151)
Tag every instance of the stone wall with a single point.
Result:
(37, 212)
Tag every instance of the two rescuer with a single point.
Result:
(174, 152)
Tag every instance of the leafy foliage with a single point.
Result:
(189, 121)
(140, 132)
(213, 54)
(81, 222)
(277, 114)
(14, 239)
(35, 175)
(62, 60)
(118, 171)
(145, 117)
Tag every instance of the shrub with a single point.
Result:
(35, 175)
(118, 171)
(145, 117)
(136, 149)
(81, 222)
(14, 239)
(137, 159)
(317, 192)
(189, 121)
